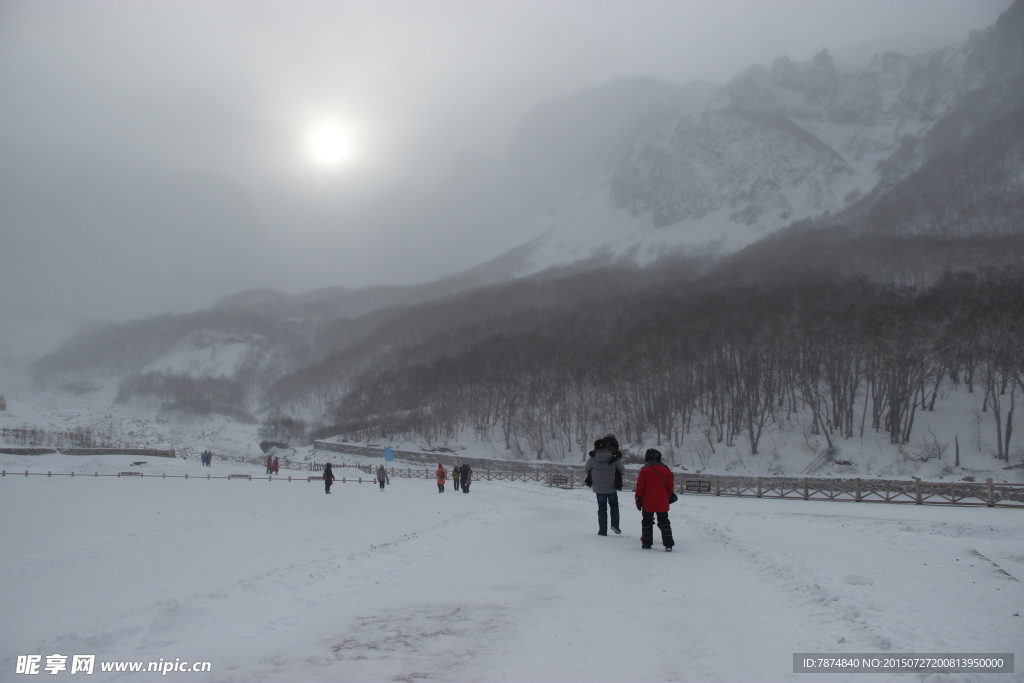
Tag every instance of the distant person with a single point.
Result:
(270, 463)
(466, 477)
(442, 474)
(655, 489)
(604, 475)
(276, 465)
(382, 477)
(456, 474)
(328, 477)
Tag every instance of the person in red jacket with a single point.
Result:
(654, 487)
(442, 474)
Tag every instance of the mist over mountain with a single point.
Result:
(170, 228)
(881, 182)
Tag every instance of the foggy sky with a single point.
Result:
(152, 152)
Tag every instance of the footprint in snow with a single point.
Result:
(858, 580)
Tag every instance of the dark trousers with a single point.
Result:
(381, 482)
(465, 487)
(440, 488)
(647, 529)
(327, 485)
(455, 483)
(604, 501)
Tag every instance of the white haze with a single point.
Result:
(151, 154)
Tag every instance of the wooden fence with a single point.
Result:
(142, 475)
(450, 458)
(262, 462)
(915, 492)
(152, 452)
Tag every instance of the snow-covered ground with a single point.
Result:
(275, 581)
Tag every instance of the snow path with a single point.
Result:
(274, 581)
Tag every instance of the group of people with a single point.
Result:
(462, 476)
(206, 457)
(654, 493)
(273, 465)
(381, 476)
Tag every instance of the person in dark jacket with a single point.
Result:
(456, 477)
(328, 477)
(275, 466)
(654, 486)
(382, 476)
(466, 477)
(604, 475)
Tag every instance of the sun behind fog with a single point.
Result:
(329, 146)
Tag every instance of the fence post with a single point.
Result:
(991, 493)
(858, 490)
(718, 486)
(759, 487)
(806, 494)
(917, 491)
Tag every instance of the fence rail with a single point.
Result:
(152, 452)
(917, 492)
(431, 458)
(142, 475)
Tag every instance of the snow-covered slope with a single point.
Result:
(779, 144)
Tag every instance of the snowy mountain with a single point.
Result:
(783, 143)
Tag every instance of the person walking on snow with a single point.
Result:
(276, 465)
(655, 487)
(466, 476)
(382, 477)
(270, 463)
(456, 475)
(328, 477)
(442, 474)
(604, 475)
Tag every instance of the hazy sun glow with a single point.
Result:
(329, 146)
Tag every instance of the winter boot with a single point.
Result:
(646, 534)
(666, 533)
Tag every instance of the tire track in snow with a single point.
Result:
(812, 591)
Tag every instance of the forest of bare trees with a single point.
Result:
(715, 365)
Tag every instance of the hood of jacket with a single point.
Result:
(604, 456)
